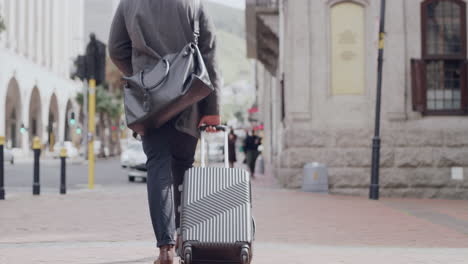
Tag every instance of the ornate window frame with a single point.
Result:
(419, 72)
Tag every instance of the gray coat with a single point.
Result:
(144, 29)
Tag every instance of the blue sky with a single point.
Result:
(232, 3)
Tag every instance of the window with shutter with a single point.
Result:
(439, 79)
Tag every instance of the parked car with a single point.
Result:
(8, 156)
(137, 171)
(97, 148)
(133, 154)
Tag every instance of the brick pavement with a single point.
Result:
(111, 225)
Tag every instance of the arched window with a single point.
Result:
(442, 86)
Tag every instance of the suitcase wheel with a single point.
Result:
(245, 255)
(188, 255)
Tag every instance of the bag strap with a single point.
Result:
(196, 21)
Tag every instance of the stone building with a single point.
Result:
(316, 83)
(37, 50)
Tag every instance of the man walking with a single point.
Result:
(142, 32)
(232, 138)
(251, 143)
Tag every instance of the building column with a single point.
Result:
(56, 36)
(45, 117)
(267, 115)
(62, 111)
(39, 28)
(80, 48)
(67, 36)
(395, 77)
(299, 52)
(24, 119)
(32, 29)
(3, 95)
(3, 14)
(11, 24)
(22, 13)
(47, 33)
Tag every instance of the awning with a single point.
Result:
(271, 21)
(268, 41)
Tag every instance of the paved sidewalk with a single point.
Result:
(111, 225)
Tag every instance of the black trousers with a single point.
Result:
(170, 153)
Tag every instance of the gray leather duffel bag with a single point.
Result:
(154, 96)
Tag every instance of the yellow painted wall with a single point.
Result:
(348, 49)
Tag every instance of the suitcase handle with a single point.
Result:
(203, 145)
(219, 128)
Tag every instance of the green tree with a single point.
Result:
(109, 110)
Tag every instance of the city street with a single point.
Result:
(19, 177)
(367, 100)
(111, 225)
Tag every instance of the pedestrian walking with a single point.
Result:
(142, 33)
(251, 143)
(232, 148)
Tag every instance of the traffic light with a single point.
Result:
(93, 64)
(72, 119)
(114, 128)
(96, 60)
(23, 129)
(80, 68)
(78, 130)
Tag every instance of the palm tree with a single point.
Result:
(114, 113)
(108, 108)
(102, 105)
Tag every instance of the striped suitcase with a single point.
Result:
(216, 219)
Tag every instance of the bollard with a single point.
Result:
(63, 179)
(37, 154)
(2, 164)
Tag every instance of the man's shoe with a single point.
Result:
(166, 255)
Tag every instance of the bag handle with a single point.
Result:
(196, 22)
(139, 79)
(167, 66)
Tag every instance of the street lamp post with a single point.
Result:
(374, 186)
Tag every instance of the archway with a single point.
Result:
(13, 115)
(70, 121)
(35, 110)
(52, 125)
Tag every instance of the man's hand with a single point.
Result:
(210, 121)
(138, 128)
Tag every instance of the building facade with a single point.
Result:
(316, 86)
(37, 50)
